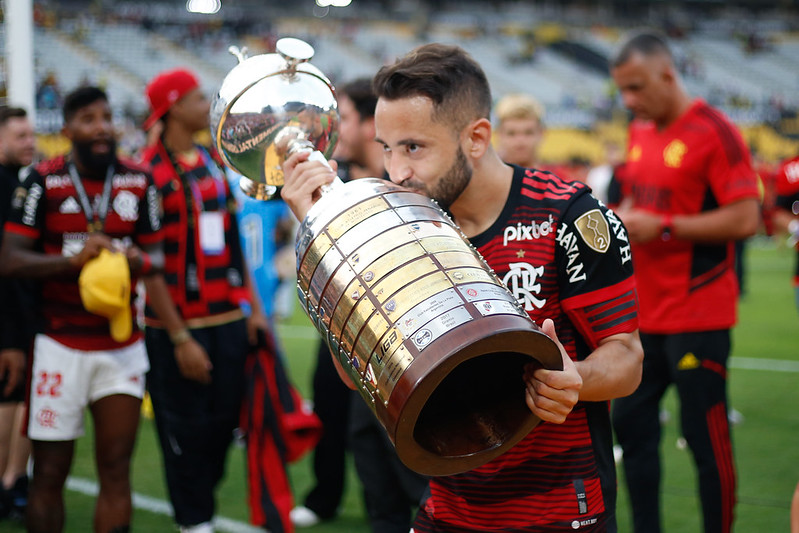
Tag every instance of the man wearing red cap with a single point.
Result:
(198, 347)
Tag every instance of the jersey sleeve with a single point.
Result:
(149, 226)
(595, 271)
(26, 217)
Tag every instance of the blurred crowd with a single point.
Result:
(212, 267)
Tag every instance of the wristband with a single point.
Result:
(180, 336)
(666, 227)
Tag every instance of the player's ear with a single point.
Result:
(477, 138)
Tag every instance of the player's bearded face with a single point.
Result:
(449, 187)
(94, 158)
(91, 131)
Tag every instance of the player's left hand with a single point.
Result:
(551, 394)
(256, 322)
(642, 226)
(303, 179)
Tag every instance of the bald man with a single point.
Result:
(689, 193)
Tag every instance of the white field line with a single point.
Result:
(774, 365)
(154, 505)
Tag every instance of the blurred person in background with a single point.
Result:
(689, 192)
(72, 212)
(795, 510)
(600, 176)
(17, 321)
(201, 318)
(785, 218)
(520, 129)
(276, 424)
(391, 490)
(520, 133)
(786, 210)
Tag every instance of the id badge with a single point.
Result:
(212, 232)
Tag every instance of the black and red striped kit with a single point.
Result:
(565, 257)
(200, 284)
(688, 294)
(51, 214)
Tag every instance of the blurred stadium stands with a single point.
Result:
(744, 61)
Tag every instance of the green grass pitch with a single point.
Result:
(765, 442)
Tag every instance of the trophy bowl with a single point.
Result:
(269, 106)
(422, 327)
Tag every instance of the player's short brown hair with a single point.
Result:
(445, 74)
(7, 113)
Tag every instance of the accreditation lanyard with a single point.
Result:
(95, 221)
(190, 187)
(193, 197)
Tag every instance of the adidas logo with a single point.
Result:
(69, 206)
(688, 362)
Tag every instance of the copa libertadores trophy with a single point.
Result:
(424, 329)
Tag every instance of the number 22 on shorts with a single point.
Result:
(48, 384)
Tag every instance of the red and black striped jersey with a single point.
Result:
(788, 195)
(696, 164)
(564, 256)
(203, 264)
(49, 211)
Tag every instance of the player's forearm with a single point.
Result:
(159, 299)
(731, 222)
(21, 263)
(613, 370)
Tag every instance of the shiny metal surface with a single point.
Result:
(269, 106)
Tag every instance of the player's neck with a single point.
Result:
(178, 138)
(480, 205)
(682, 103)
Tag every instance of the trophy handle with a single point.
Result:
(316, 155)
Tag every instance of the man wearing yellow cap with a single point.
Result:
(198, 348)
(85, 224)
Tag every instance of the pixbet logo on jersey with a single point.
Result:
(527, 233)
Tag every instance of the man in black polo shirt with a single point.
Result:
(17, 149)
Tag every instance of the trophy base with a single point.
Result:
(455, 411)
